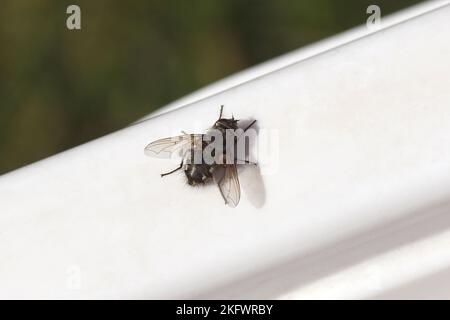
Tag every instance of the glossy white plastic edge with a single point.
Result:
(300, 54)
(353, 201)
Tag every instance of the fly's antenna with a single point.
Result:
(221, 110)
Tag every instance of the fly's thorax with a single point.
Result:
(194, 156)
(221, 142)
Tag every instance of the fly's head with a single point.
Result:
(223, 124)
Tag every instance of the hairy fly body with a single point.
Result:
(199, 170)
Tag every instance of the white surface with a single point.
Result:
(357, 207)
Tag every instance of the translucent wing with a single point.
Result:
(229, 186)
(178, 145)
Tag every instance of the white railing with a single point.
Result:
(352, 204)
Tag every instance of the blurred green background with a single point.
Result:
(60, 88)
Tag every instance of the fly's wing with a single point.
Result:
(173, 146)
(229, 186)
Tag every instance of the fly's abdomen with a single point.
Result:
(198, 173)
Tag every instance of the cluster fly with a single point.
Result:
(221, 141)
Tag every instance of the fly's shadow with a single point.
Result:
(250, 175)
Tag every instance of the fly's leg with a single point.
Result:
(165, 174)
(249, 126)
(245, 161)
(221, 110)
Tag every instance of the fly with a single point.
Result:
(192, 146)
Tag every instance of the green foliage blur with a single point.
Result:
(60, 88)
